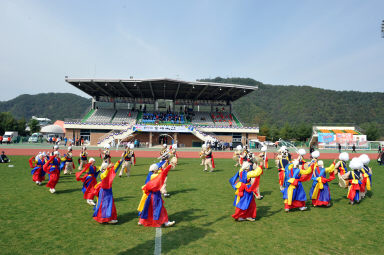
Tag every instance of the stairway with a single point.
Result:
(108, 138)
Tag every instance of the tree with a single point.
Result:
(264, 130)
(286, 132)
(34, 126)
(304, 131)
(372, 131)
(274, 133)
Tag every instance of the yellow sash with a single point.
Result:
(318, 187)
(366, 175)
(290, 191)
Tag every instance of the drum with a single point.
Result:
(343, 183)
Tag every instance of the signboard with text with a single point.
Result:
(161, 128)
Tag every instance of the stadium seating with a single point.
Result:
(125, 116)
(101, 116)
(163, 117)
(202, 118)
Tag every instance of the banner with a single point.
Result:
(344, 138)
(360, 140)
(160, 128)
(327, 138)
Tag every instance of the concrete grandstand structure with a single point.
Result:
(151, 110)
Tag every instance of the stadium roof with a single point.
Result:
(161, 89)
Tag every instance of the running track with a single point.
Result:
(154, 154)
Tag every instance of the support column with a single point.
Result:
(150, 139)
(175, 138)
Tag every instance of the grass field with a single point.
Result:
(34, 221)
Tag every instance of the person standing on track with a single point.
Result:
(127, 157)
(83, 158)
(209, 161)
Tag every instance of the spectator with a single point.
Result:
(380, 158)
(9, 140)
(354, 148)
(82, 141)
(339, 148)
(65, 141)
(231, 146)
(4, 158)
(50, 139)
(379, 148)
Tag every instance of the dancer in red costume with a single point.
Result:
(151, 209)
(105, 210)
(367, 175)
(52, 167)
(354, 178)
(89, 180)
(241, 182)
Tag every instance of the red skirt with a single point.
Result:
(36, 177)
(295, 204)
(363, 185)
(318, 202)
(53, 179)
(90, 191)
(249, 213)
(281, 178)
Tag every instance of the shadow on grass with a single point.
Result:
(265, 211)
(217, 220)
(266, 193)
(126, 217)
(122, 198)
(182, 191)
(186, 215)
(171, 241)
(139, 174)
(67, 191)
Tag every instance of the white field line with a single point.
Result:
(158, 241)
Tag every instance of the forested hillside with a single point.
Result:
(48, 105)
(281, 111)
(274, 105)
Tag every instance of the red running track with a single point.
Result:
(154, 154)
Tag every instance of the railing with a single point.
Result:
(105, 136)
(114, 134)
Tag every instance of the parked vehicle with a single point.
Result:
(8, 134)
(35, 137)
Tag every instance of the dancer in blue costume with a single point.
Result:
(354, 178)
(105, 210)
(367, 175)
(38, 175)
(244, 200)
(319, 192)
(89, 180)
(293, 194)
(151, 209)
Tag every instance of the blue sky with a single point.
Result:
(327, 44)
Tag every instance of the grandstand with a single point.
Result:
(147, 109)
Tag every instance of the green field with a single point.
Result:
(34, 221)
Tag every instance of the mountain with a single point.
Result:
(274, 106)
(55, 106)
(278, 105)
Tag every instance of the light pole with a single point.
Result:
(382, 29)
